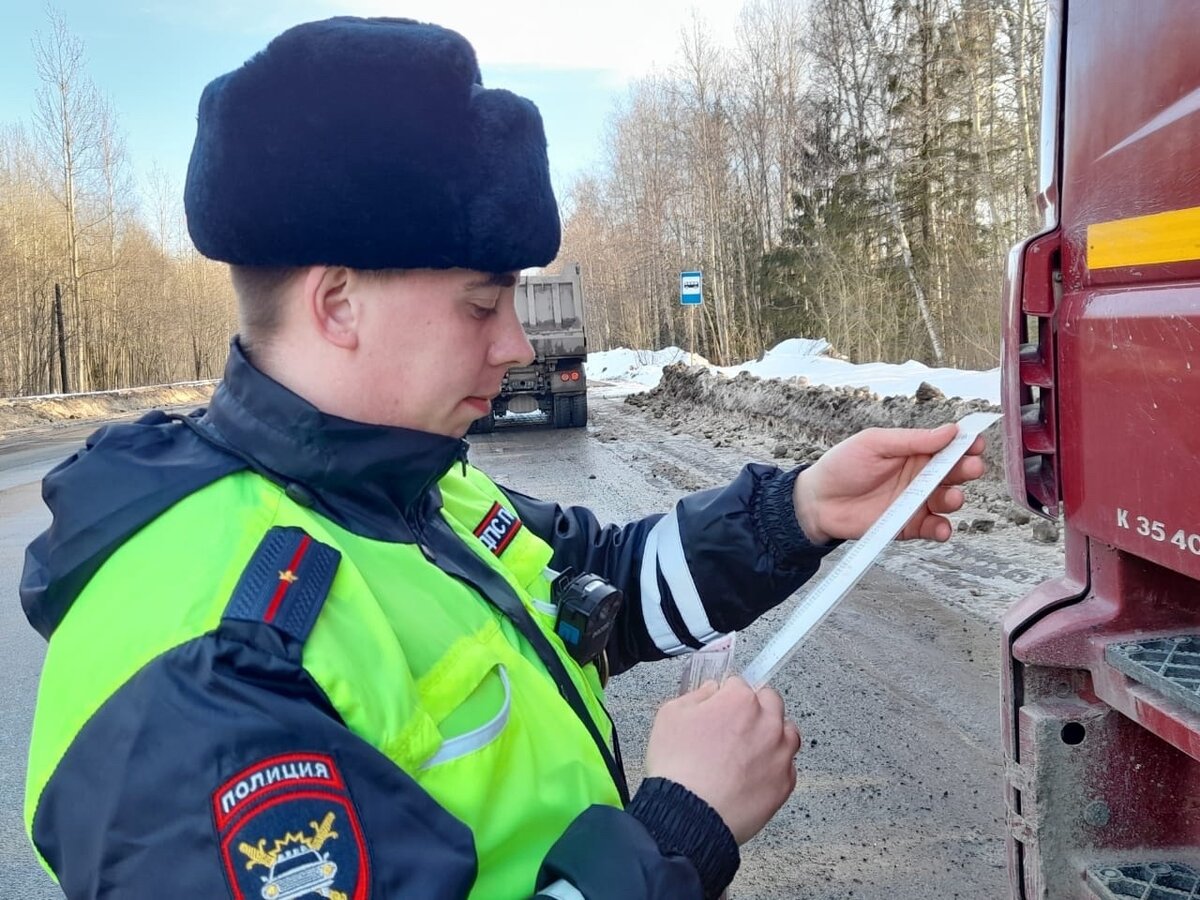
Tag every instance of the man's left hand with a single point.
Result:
(848, 488)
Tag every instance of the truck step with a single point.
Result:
(1146, 881)
(1170, 666)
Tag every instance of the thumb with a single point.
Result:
(898, 442)
(702, 693)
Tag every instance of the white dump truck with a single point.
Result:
(551, 309)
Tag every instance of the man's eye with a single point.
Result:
(482, 312)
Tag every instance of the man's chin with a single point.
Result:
(460, 426)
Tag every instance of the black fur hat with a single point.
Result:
(369, 143)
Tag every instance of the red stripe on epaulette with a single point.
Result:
(285, 583)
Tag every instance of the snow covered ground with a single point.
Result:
(807, 359)
(639, 366)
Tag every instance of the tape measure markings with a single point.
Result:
(860, 555)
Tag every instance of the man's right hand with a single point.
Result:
(732, 747)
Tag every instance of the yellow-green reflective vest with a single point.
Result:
(416, 662)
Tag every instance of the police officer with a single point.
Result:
(298, 645)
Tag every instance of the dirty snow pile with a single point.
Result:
(799, 399)
(812, 362)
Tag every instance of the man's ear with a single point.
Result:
(330, 306)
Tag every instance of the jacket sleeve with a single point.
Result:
(713, 564)
(676, 846)
(221, 770)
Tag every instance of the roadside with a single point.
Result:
(34, 414)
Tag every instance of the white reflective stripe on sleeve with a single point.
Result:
(561, 890)
(657, 627)
(679, 579)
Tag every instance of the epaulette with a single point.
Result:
(285, 583)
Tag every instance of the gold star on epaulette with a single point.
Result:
(289, 576)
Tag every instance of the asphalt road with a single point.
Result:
(899, 794)
(23, 462)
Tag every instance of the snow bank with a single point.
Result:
(807, 359)
(642, 367)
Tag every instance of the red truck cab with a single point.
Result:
(1101, 373)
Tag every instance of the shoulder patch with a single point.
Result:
(286, 582)
(498, 529)
(289, 829)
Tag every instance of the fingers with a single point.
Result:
(895, 442)
(945, 500)
(902, 442)
(700, 694)
(772, 705)
(927, 526)
(935, 528)
(733, 694)
(791, 733)
(931, 523)
(966, 469)
(737, 684)
(771, 702)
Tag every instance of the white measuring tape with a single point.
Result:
(859, 556)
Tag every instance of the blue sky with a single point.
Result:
(152, 58)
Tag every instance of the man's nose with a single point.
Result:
(511, 346)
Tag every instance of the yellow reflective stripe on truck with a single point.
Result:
(1164, 237)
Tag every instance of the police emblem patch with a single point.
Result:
(289, 830)
(498, 529)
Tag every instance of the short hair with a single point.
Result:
(261, 291)
(260, 294)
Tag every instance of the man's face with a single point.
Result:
(434, 346)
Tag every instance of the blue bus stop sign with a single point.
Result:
(690, 293)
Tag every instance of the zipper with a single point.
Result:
(413, 516)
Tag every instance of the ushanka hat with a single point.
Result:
(369, 143)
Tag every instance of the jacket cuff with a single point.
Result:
(684, 825)
(773, 510)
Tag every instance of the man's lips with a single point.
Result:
(483, 404)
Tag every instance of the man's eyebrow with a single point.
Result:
(495, 279)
